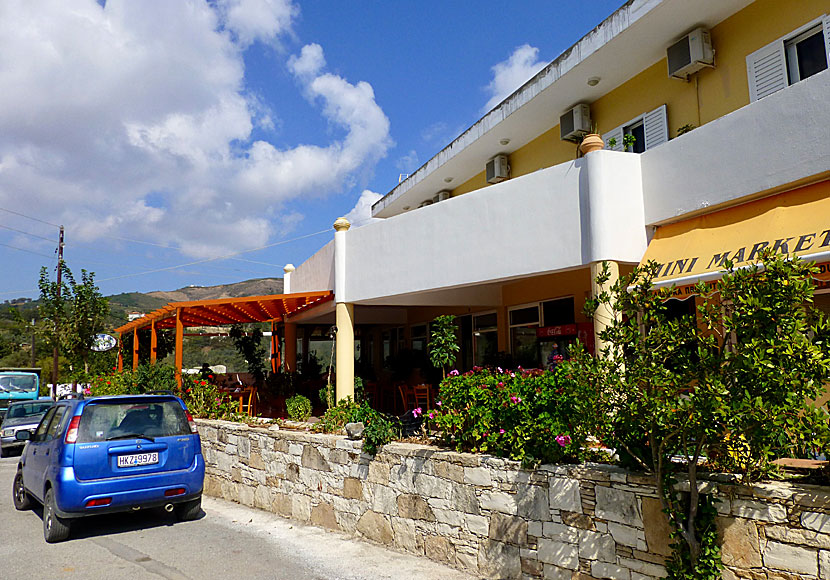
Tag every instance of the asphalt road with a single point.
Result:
(230, 541)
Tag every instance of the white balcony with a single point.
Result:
(457, 251)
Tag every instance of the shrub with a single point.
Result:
(298, 408)
(204, 400)
(378, 429)
(523, 415)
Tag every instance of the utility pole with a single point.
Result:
(34, 356)
(55, 350)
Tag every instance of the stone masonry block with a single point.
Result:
(618, 506)
(791, 558)
(558, 553)
(564, 495)
(509, 529)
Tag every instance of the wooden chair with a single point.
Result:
(407, 397)
(248, 404)
(422, 396)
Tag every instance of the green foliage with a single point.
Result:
(523, 415)
(250, 346)
(298, 408)
(202, 398)
(165, 344)
(628, 141)
(708, 565)
(378, 430)
(687, 128)
(443, 345)
(733, 383)
(71, 314)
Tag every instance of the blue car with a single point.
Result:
(110, 454)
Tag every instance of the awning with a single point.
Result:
(226, 311)
(796, 222)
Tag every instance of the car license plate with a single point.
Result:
(138, 459)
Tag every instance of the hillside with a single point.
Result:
(255, 287)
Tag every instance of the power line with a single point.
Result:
(26, 233)
(29, 251)
(28, 217)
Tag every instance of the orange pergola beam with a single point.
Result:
(179, 337)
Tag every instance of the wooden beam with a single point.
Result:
(153, 342)
(135, 348)
(120, 367)
(179, 336)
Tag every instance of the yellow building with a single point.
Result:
(722, 109)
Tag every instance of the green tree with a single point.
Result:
(443, 344)
(71, 318)
(249, 344)
(733, 384)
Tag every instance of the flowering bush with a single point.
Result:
(523, 415)
(298, 408)
(378, 430)
(202, 398)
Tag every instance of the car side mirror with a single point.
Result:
(23, 435)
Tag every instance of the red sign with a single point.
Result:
(561, 330)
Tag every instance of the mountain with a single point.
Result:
(122, 304)
(255, 287)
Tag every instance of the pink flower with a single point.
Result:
(501, 384)
(499, 369)
(563, 440)
(438, 403)
(501, 431)
(417, 411)
(453, 373)
(432, 416)
(512, 375)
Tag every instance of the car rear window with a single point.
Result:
(19, 410)
(110, 420)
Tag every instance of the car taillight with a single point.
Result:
(191, 422)
(174, 491)
(72, 432)
(99, 502)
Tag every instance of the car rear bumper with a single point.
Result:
(127, 493)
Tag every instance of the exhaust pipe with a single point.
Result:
(168, 508)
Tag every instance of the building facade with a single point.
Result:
(722, 109)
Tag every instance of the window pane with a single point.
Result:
(525, 346)
(487, 345)
(811, 56)
(486, 321)
(54, 425)
(557, 312)
(524, 316)
(103, 421)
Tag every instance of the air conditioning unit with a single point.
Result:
(575, 123)
(442, 195)
(690, 54)
(497, 169)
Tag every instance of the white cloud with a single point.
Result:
(512, 73)
(252, 20)
(104, 108)
(361, 213)
(409, 162)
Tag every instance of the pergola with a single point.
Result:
(272, 308)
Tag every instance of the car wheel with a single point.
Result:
(55, 529)
(188, 510)
(21, 498)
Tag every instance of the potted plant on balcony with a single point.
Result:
(591, 142)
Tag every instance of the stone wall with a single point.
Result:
(487, 516)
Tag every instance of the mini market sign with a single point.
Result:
(792, 223)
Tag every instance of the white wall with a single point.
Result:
(548, 221)
(768, 144)
(316, 273)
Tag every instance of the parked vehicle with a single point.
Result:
(21, 415)
(110, 454)
(18, 384)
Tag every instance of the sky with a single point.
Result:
(202, 143)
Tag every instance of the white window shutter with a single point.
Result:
(766, 70)
(616, 134)
(825, 24)
(656, 127)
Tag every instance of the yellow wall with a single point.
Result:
(719, 91)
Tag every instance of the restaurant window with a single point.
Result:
(419, 337)
(523, 344)
(788, 60)
(485, 338)
(558, 312)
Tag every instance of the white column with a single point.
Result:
(286, 279)
(344, 315)
(605, 312)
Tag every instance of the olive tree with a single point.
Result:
(730, 387)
